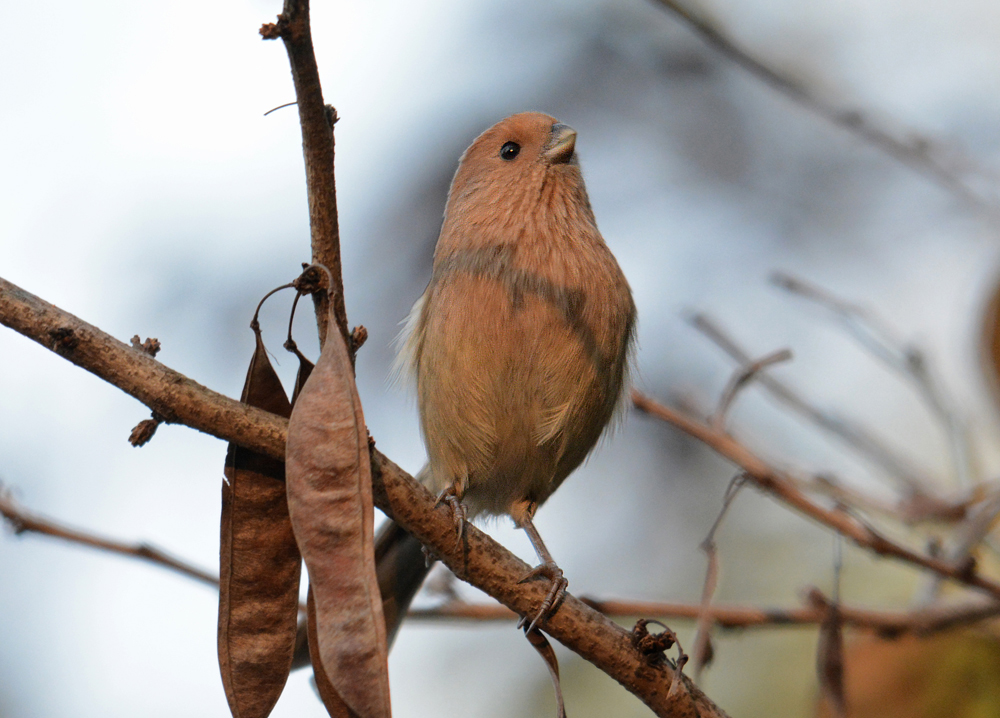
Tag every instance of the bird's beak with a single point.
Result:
(562, 142)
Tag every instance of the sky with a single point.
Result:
(144, 190)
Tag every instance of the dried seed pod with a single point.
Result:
(259, 563)
(334, 704)
(330, 503)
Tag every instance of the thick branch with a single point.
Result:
(482, 562)
(781, 486)
(487, 565)
(317, 120)
(170, 394)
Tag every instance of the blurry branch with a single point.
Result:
(886, 623)
(906, 360)
(780, 485)
(830, 646)
(316, 120)
(969, 535)
(911, 509)
(911, 149)
(21, 521)
(859, 438)
(702, 649)
(740, 379)
(479, 561)
(910, 362)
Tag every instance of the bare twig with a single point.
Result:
(479, 561)
(968, 536)
(702, 648)
(906, 360)
(830, 647)
(740, 379)
(925, 620)
(780, 486)
(21, 521)
(887, 623)
(317, 120)
(860, 439)
(910, 509)
(910, 148)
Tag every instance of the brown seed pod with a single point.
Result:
(330, 502)
(259, 563)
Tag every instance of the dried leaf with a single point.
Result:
(541, 644)
(330, 502)
(259, 563)
(991, 343)
(830, 660)
(302, 375)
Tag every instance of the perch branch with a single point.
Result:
(480, 560)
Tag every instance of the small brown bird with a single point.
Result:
(520, 344)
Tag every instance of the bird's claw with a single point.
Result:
(556, 592)
(459, 513)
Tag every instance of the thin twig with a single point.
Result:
(925, 620)
(888, 623)
(740, 379)
(316, 119)
(701, 650)
(968, 536)
(909, 148)
(779, 485)
(911, 509)
(21, 522)
(858, 438)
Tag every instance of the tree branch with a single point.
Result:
(480, 560)
(317, 120)
(782, 487)
(856, 437)
(21, 522)
(887, 623)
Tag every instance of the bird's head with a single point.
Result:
(523, 164)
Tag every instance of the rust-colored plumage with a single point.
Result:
(521, 341)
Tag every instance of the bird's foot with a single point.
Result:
(459, 513)
(556, 592)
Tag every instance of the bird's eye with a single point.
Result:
(509, 150)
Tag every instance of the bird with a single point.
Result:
(520, 346)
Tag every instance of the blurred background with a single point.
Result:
(144, 190)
